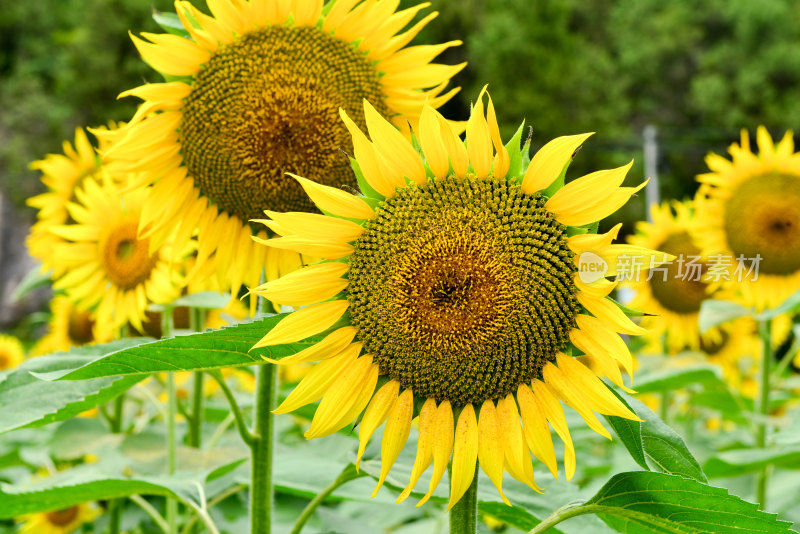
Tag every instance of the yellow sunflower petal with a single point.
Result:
(304, 323)
(376, 414)
(395, 435)
(335, 201)
(490, 446)
(424, 457)
(465, 455)
(534, 427)
(555, 415)
(443, 437)
(549, 162)
(479, 141)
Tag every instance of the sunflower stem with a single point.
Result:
(115, 506)
(172, 413)
(664, 405)
(262, 437)
(344, 477)
(765, 329)
(196, 420)
(464, 514)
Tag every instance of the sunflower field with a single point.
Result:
(381, 266)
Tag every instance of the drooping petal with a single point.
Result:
(376, 414)
(490, 446)
(424, 457)
(395, 435)
(442, 446)
(465, 454)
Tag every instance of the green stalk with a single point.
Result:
(344, 477)
(562, 514)
(664, 406)
(765, 330)
(115, 506)
(464, 514)
(172, 413)
(196, 320)
(262, 435)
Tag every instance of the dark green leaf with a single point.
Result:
(228, 347)
(714, 312)
(630, 433)
(27, 400)
(739, 462)
(645, 502)
(515, 155)
(514, 516)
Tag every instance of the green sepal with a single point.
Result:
(515, 155)
(366, 189)
(630, 312)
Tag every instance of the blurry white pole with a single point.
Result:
(651, 192)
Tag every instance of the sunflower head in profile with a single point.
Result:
(671, 293)
(70, 326)
(65, 521)
(451, 293)
(748, 210)
(112, 271)
(12, 353)
(256, 92)
(61, 175)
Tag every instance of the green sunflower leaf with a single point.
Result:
(26, 400)
(33, 280)
(654, 445)
(714, 312)
(214, 349)
(741, 461)
(644, 502)
(87, 483)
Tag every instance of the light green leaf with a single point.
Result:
(26, 400)
(741, 461)
(31, 281)
(714, 312)
(644, 502)
(227, 347)
(514, 516)
(677, 378)
(515, 155)
(790, 305)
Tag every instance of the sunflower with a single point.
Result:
(672, 293)
(11, 352)
(61, 174)
(748, 210)
(256, 92)
(451, 292)
(64, 521)
(113, 273)
(68, 327)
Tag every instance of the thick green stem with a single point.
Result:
(115, 506)
(346, 476)
(261, 488)
(765, 329)
(196, 320)
(664, 406)
(464, 514)
(172, 413)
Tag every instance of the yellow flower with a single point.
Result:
(113, 272)
(672, 293)
(64, 521)
(61, 174)
(256, 93)
(11, 353)
(70, 327)
(450, 293)
(748, 210)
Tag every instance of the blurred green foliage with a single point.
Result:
(62, 64)
(698, 70)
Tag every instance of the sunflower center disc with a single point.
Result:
(681, 290)
(126, 259)
(62, 518)
(79, 327)
(463, 289)
(4, 360)
(268, 104)
(763, 217)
